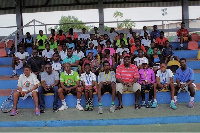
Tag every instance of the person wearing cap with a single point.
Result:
(127, 75)
(183, 34)
(146, 80)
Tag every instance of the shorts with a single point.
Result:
(106, 88)
(73, 91)
(186, 88)
(27, 95)
(19, 66)
(121, 88)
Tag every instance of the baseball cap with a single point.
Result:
(127, 55)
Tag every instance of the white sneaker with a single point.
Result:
(79, 107)
(63, 107)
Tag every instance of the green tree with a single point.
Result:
(70, 22)
(127, 24)
(117, 15)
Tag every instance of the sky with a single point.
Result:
(135, 14)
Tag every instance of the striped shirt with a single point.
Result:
(127, 74)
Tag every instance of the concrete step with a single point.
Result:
(7, 70)
(186, 53)
(5, 60)
(177, 45)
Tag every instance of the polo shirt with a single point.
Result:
(54, 45)
(88, 78)
(182, 32)
(36, 63)
(127, 75)
(103, 77)
(160, 41)
(27, 83)
(155, 34)
(50, 78)
(74, 36)
(119, 44)
(164, 77)
(69, 79)
(71, 60)
(186, 75)
(146, 74)
(167, 51)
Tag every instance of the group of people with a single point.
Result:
(99, 63)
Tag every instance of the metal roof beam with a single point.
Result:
(77, 1)
(47, 2)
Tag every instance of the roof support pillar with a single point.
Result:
(185, 12)
(19, 19)
(101, 16)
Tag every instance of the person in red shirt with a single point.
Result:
(61, 37)
(160, 41)
(136, 47)
(183, 34)
(127, 75)
(73, 35)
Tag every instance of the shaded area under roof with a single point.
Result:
(31, 6)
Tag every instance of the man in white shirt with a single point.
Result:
(19, 60)
(140, 59)
(113, 34)
(83, 36)
(146, 41)
(79, 53)
(47, 54)
(93, 40)
(63, 53)
(143, 31)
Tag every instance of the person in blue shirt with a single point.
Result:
(155, 33)
(70, 44)
(167, 52)
(92, 50)
(184, 81)
(72, 59)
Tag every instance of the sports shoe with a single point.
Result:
(173, 106)
(149, 104)
(87, 107)
(112, 108)
(13, 75)
(143, 104)
(176, 103)
(191, 104)
(79, 107)
(55, 109)
(14, 112)
(100, 110)
(37, 112)
(90, 107)
(63, 107)
(154, 105)
(42, 110)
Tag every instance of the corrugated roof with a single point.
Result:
(30, 6)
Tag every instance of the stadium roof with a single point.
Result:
(31, 6)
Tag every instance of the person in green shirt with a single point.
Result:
(150, 50)
(41, 40)
(118, 44)
(53, 44)
(70, 82)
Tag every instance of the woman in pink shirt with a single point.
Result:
(146, 80)
(108, 57)
(108, 46)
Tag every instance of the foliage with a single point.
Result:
(118, 15)
(127, 24)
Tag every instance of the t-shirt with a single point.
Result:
(106, 77)
(104, 42)
(50, 78)
(186, 75)
(133, 48)
(146, 42)
(146, 74)
(63, 54)
(71, 45)
(164, 77)
(155, 34)
(88, 78)
(36, 63)
(141, 60)
(112, 35)
(80, 54)
(150, 51)
(56, 65)
(71, 60)
(69, 79)
(121, 50)
(48, 54)
(182, 32)
(160, 41)
(43, 38)
(60, 37)
(83, 36)
(94, 42)
(27, 83)
(54, 45)
(94, 51)
(142, 33)
(112, 51)
(74, 36)
(21, 56)
(119, 44)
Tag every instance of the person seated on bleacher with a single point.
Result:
(84, 37)
(121, 60)
(69, 82)
(119, 52)
(93, 40)
(138, 61)
(113, 34)
(167, 52)
(53, 44)
(155, 60)
(88, 80)
(173, 64)
(96, 33)
(49, 83)
(41, 40)
(136, 47)
(73, 35)
(146, 41)
(129, 34)
(79, 53)
(19, 60)
(27, 86)
(155, 33)
(61, 37)
(29, 42)
(73, 60)
(127, 75)
(70, 44)
(47, 54)
(164, 81)
(108, 46)
(183, 34)
(160, 41)
(146, 80)
(108, 57)
(56, 63)
(106, 83)
(121, 37)
(143, 31)
(91, 49)
(185, 81)
(36, 63)
(53, 34)
(20, 40)
(105, 39)
(150, 50)
(63, 52)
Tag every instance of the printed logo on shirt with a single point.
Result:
(69, 81)
(27, 84)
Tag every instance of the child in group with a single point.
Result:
(146, 80)
(88, 80)
(107, 56)
(108, 46)
(167, 52)
(56, 63)
(47, 54)
(140, 59)
(63, 52)
(91, 49)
